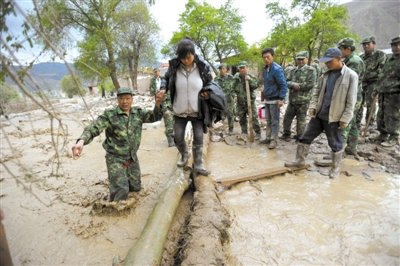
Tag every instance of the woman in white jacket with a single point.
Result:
(331, 110)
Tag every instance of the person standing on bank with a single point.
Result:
(300, 81)
(123, 126)
(185, 79)
(388, 87)
(354, 62)
(225, 80)
(331, 110)
(275, 89)
(374, 60)
(239, 89)
(166, 108)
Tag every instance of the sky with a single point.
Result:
(255, 27)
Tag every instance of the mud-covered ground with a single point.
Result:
(58, 216)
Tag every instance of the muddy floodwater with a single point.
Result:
(302, 218)
(306, 218)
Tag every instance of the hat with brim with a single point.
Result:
(395, 40)
(124, 90)
(302, 55)
(330, 54)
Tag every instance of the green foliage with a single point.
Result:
(72, 85)
(8, 94)
(319, 26)
(215, 31)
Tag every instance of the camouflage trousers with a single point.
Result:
(242, 113)
(388, 118)
(123, 175)
(300, 112)
(367, 101)
(230, 115)
(168, 117)
(352, 132)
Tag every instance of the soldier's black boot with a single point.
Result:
(198, 165)
(182, 148)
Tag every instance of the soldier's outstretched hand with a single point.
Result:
(77, 149)
(160, 96)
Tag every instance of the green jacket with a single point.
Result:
(239, 88)
(355, 62)
(123, 132)
(306, 76)
(166, 103)
(225, 83)
(389, 78)
(374, 63)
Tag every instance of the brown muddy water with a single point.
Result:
(306, 218)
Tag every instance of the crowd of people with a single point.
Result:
(323, 98)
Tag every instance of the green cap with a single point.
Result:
(395, 40)
(124, 90)
(368, 39)
(349, 42)
(242, 64)
(302, 55)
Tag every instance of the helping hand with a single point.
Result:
(77, 149)
(312, 112)
(160, 96)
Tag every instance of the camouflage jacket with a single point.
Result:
(225, 83)
(318, 70)
(306, 77)
(239, 87)
(153, 90)
(389, 78)
(355, 62)
(373, 65)
(123, 132)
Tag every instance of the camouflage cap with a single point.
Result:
(395, 40)
(124, 90)
(368, 39)
(156, 69)
(349, 42)
(242, 64)
(302, 55)
(330, 54)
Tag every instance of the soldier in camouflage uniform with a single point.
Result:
(374, 60)
(389, 97)
(318, 70)
(166, 107)
(225, 81)
(123, 126)
(239, 89)
(300, 83)
(354, 62)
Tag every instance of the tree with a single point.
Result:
(72, 85)
(215, 31)
(138, 38)
(96, 19)
(320, 26)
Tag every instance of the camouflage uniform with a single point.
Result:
(388, 118)
(373, 66)
(123, 135)
(351, 132)
(318, 70)
(166, 108)
(239, 89)
(225, 83)
(299, 100)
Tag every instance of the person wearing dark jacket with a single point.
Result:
(186, 79)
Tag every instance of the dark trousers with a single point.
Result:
(333, 133)
(180, 126)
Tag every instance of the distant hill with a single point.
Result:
(380, 18)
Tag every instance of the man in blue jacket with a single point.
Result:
(275, 89)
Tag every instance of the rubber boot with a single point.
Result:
(336, 160)
(182, 148)
(267, 139)
(273, 143)
(171, 141)
(198, 166)
(301, 154)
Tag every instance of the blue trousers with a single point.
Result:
(272, 118)
(333, 133)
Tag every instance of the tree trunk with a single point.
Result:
(111, 65)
